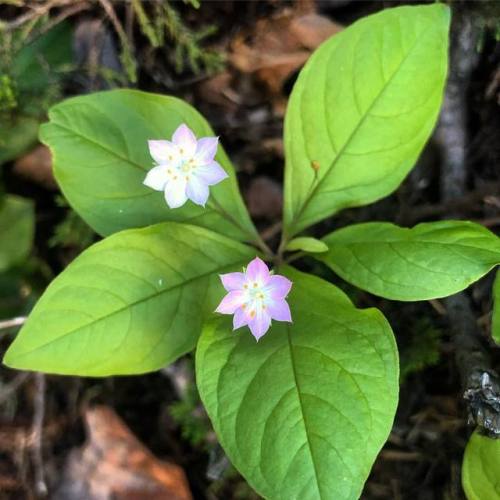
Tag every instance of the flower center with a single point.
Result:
(255, 292)
(187, 165)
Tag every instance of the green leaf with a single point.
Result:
(430, 260)
(307, 244)
(495, 320)
(17, 227)
(481, 468)
(101, 156)
(303, 413)
(361, 111)
(129, 304)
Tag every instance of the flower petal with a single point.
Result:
(258, 271)
(206, 150)
(163, 151)
(186, 140)
(259, 324)
(197, 191)
(278, 287)
(279, 310)
(175, 192)
(156, 178)
(211, 174)
(240, 318)
(233, 281)
(232, 301)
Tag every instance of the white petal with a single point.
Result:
(211, 174)
(186, 141)
(206, 150)
(175, 192)
(197, 191)
(162, 151)
(156, 178)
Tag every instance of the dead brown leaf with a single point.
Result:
(37, 166)
(115, 465)
(280, 45)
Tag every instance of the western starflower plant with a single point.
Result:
(185, 167)
(303, 412)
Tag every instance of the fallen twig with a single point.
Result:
(11, 323)
(38, 417)
(480, 382)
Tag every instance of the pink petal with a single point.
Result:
(233, 281)
(259, 324)
(186, 140)
(197, 191)
(211, 174)
(258, 271)
(240, 318)
(232, 301)
(279, 310)
(175, 192)
(156, 178)
(206, 149)
(278, 286)
(162, 151)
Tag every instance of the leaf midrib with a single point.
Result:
(339, 154)
(130, 305)
(301, 404)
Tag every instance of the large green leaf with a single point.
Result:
(495, 320)
(17, 225)
(129, 304)
(101, 157)
(481, 468)
(303, 413)
(430, 260)
(361, 110)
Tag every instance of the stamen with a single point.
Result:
(252, 314)
(255, 285)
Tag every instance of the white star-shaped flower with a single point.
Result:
(185, 167)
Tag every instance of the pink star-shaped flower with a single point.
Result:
(255, 298)
(185, 167)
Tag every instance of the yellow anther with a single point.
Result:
(255, 285)
(252, 314)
